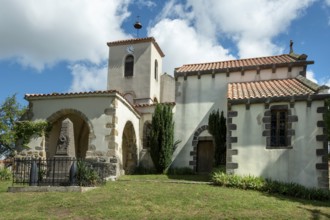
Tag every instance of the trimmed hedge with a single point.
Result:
(269, 186)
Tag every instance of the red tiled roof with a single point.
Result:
(269, 88)
(55, 94)
(136, 41)
(250, 62)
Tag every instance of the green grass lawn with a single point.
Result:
(157, 199)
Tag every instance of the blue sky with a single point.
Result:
(60, 46)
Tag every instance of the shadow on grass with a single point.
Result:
(321, 210)
(192, 177)
(314, 213)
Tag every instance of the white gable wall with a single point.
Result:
(196, 98)
(92, 107)
(106, 116)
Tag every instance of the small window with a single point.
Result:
(129, 66)
(279, 128)
(156, 69)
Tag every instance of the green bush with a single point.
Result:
(221, 168)
(245, 182)
(269, 186)
(86, 176)
(161, 137)
(295, 190)
(5, 174)
(217, 128)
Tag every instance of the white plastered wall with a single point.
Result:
(167, 90)
(124, 116)
(92, 107)
(155, 83)
(100, 112)
(143, 83)
(196, 98)
(296, 164)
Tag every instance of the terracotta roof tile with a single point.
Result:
(136, 41)
(55, 94)
(250, 62)
(269, 88)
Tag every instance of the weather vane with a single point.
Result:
(137, 26)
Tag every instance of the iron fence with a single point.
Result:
(58, 171)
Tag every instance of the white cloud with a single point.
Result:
(327, 2)
(251, 25)
(182, 44)
(87, 78)
(327, 83)
(40, 33)
(311, 76)
(145, 3)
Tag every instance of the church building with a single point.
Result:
(275, 126)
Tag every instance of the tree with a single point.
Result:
(10, 112)
(217, 128)
(161, 137)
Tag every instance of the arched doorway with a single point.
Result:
(129, 149)
(81, 131)
(203, 149)
(205, 155)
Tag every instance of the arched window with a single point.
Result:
(129, 66)
(156, 69)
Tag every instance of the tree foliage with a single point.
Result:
(217, 128)
(13, 130)
(10, 112)
(24, 130)
(161, 137)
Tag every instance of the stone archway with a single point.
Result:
(83, 131)
(202, 151)
(129, 149)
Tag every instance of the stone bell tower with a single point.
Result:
(135, 68)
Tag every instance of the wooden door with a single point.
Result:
(205, 156)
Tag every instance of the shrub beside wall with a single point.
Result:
(269, 186)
